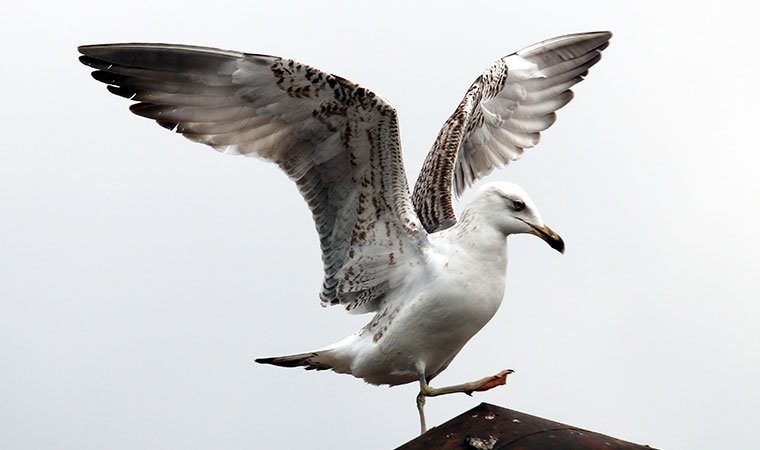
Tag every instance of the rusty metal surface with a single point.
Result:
(489, 427)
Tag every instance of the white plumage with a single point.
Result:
(432, 281)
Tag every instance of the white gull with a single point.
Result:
(433, 282)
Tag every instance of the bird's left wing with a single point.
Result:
(338, 141)
(502, 113)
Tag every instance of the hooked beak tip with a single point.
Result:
(550, 237)
(558, 245)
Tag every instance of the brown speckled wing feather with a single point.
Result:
(502, 113)
(338, 141)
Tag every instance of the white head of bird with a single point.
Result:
(507, 208)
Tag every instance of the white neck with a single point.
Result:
(478, 235)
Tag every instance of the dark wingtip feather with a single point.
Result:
(283, 361)
(303, 360)
(107, 77)
(167, 124)
(603, 46)
(122, 91)
(149, 110)
(83, 49)
(87, 61)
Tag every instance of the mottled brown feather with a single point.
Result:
(338, 141)
(502, 113)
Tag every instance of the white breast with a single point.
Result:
(426, 323)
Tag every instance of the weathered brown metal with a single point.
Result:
(489, 427)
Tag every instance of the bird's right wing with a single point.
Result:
(338, 141)
(503, 112)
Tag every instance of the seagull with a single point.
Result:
(431, 280)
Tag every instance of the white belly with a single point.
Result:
(428, 330)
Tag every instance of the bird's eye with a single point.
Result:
(518, 205)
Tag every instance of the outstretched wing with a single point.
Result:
(338, 141)
(502, 113)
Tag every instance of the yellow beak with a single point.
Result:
(548, 235)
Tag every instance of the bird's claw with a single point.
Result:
(499, 379)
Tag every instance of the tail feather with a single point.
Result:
(309, 361)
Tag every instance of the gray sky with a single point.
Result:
(141, 274)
